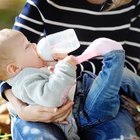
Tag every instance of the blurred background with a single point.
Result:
(9, 9)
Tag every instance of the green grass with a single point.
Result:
(8, 11)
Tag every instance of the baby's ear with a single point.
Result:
(12, 69)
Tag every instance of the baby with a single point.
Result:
(33, 82)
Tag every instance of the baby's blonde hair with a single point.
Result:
(6, 50)
(117, 3)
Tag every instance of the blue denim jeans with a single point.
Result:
(131, 85)
(23, 130)
(121, 127)
(97, 98)
(109, 121)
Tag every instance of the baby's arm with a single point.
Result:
(63, 79)
(39, 87)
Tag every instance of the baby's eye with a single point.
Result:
(27, 46)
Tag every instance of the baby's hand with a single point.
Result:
(71, 60)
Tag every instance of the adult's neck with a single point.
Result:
(96, 1)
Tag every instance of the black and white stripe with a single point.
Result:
(121, 24)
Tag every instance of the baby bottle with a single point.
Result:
(61, 42)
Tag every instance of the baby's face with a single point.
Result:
(26, 55)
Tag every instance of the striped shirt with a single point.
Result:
(49, 16)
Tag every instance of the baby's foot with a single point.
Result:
(101, 46)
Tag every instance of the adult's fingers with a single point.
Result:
(63, 112)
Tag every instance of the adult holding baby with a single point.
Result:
(32, 23)
(33, 83)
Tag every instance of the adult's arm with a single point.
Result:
(4, 86)
(29, 21)
(39, 113)
(132, 43)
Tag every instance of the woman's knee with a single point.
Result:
(121, 126)
(24, 130)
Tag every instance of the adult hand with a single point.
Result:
(37, 113)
